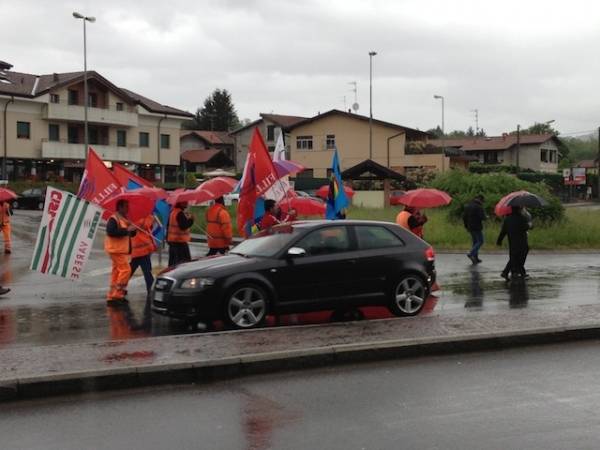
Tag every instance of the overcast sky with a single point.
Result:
(516, 61)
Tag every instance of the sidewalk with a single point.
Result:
(59, 369)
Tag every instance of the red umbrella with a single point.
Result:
(154, 192)
(304, 206)
(218, 186)
(6, 195)
(323, 191)
(140, 205)
(424, 198)
(191, 196)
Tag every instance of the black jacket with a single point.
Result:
(473, 216)
(183, 222)
(515, 227)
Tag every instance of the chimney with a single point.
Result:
(504, 136)
(55, 77)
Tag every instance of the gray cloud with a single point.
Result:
(517, 62)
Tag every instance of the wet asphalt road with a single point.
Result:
(532, 398)
(45, 310)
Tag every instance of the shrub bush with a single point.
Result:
(463, 186)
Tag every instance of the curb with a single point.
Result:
(204, 371)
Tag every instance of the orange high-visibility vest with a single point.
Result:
(143, 243)
(218, 226)
(118, 245)
(402, 219)
(4, 214)
(174, 232)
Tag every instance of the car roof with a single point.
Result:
(317, 223)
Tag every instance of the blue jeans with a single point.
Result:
(477, 238)
(145, 263)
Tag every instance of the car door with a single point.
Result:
(378, 259)
(319, 279)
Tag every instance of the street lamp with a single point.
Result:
(85, 19)
(441, 97)
(371, 54)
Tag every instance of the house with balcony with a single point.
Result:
(42, 126)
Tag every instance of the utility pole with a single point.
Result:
(371, 54)
(476, 112)
(598, 163)
(518, 146)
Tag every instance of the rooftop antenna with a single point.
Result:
(476, 112)
(354, 89)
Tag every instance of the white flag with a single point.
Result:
(282, 186)
(66, 235)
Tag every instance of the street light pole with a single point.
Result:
(371, 54)
(85, 84)
(441, 97)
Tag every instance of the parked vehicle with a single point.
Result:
(30, 199)
(302, 267)
(395, 197)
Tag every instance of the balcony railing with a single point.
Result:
(110, 152)
(108, 116)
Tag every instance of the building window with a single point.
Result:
(54, 98)
(23, 130)
(92, 99)
(119, 106)
(121, 138)
(330, 142)
(93, 136)
(165, 141)
(304, 143)
(271, 148)
(73, 135)
(490, 158)
(73, 97)
(548, 156)
(270, 132)
(144, 139)
(306, 173)
(53, 132)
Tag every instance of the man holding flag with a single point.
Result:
(117, 244)
(337, 201)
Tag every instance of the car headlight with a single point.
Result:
(197, 283)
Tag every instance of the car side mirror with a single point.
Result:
(295, 252)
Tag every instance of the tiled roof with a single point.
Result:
(30, 85)
(281, 120)
(494, 142)
(212, 137)
(200, 156)
(587, 164)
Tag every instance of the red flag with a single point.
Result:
(259, 175)
(123, 175)
(98, 183)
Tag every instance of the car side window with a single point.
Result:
(371, 237)
(326, 241)
(27, 192)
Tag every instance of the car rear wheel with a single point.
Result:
(15, 205)
(40, 206)
(246, 306)
(409, 295)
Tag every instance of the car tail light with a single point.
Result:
(430, 254)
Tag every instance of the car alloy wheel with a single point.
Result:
(409, 296)
(40, 206)
(246, 306)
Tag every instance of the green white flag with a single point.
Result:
(66, 235)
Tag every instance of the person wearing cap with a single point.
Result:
(117, 244)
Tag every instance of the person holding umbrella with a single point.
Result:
(5, 213)
(412, 219)
(218, 228)
(117, 244)
(179, 234)
(515, 226)
(143, 244)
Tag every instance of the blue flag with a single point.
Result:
(337, 200)
(161, 213)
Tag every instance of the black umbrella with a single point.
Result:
(528, 200)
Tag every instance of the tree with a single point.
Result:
(217, 113)
(437, 132)
(538, 128)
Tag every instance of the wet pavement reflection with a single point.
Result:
(43, 310)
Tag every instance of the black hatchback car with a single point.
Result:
(30, 199)
(301, 267)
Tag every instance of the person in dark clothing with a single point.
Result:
(179, 235)
(473, 218)
(515, 226)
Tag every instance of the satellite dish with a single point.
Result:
(355, 107)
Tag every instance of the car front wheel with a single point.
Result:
(41, 206)
(408, 296)
(246, 306)
(15, 205)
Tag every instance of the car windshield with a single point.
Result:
(266, 243)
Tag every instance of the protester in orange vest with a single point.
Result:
(5, 213)
(143, 245)
(117, 244)
(218, 228)
(412, 219)
(179, 234)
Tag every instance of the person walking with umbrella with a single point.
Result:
(218, 228)
(5, 213)
(473, 218)
(179, 234)
(143, 244)
(411, 217)
(515, 226)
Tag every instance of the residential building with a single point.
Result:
(590, 166)
(312, 142)
(270, 125)
(42, 126)
(538, 152)
(202, 150)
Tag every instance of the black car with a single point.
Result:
(30, 199)
(301, 267)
